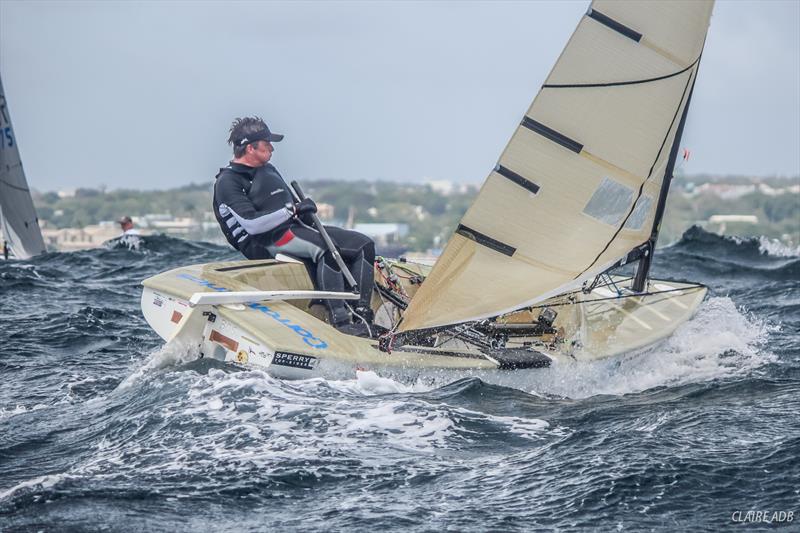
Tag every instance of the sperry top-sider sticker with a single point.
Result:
(294, 360)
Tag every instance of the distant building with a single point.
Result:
(173, 226)
(722, 221)
(71, 239)
(325, 211)
(726, 191)
(731, 191)
(383, 233)
(442, 186)
(425, 258)
(93, 236)
(447, 188)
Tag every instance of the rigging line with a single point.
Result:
(17, 187)
(641, 187)
(617, 83)
(691, 287)
(394, 299)
(576, 291)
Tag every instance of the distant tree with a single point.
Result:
(50, 197)
(44, 212)
(784, 206)
(779, 216)
(87, 193)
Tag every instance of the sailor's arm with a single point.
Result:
(236, 208)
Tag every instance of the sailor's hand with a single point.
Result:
(304, 206)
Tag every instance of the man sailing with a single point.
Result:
(259, 217)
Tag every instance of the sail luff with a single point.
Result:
(577, 186)
(20, 224)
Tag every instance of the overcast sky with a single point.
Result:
(141, 94)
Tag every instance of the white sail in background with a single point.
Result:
(18, 221)
(577, 186)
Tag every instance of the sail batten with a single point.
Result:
(485, 240)
(614, 25)
(523, 182)
(553, 135)
(596, 142)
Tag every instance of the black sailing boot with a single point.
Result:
(329, 279)
(364, 274)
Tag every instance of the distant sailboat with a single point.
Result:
(18, 220)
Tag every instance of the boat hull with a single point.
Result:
(292, 340)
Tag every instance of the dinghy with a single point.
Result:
(533, 273)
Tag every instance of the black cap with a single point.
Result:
(263, 135)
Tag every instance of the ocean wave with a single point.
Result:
(37, 484)
(721, 341)
(8, 412)
(698, 239)
(101, 419)
(221, 428)
(777, 248)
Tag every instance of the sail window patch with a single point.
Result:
(516, 178)
(552, 134)
(485, 240)
(614, 25)
(610, 202)
(640, 212)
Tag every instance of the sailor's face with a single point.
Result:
(262, 151)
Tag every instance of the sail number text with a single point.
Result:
(6, 138)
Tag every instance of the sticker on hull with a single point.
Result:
(294, 360)
(308, 337)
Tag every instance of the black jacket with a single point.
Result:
(252, 201)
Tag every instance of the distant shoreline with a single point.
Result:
(423, 214)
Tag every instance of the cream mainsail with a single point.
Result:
(579, 183)
(18, 223)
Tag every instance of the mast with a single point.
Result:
(643, 271)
